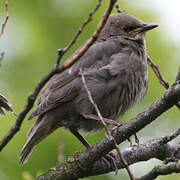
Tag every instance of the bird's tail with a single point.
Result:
(36, 134)
(25, 153)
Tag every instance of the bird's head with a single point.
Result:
(126, 26)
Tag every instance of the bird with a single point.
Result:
(4, 103)
(115, 71)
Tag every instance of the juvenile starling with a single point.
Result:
(115, 70)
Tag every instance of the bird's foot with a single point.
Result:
(109, 159)
(129, 140)
(118, 124)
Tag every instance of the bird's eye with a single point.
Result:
(127, 28)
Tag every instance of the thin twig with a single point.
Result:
(83, 26)
(164, 169)
(159, 76)
(157, 72)
(61, 52)
(6, 19)
(91, 40)
(1, 57)
(108, 132)
(56, 69)
(172, 136)
(110, 137)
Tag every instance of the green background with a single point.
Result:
(35, 30)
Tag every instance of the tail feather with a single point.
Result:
(25, 153)
(36, 134)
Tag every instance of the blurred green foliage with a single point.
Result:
(35, 30)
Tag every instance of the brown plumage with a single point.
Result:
(115, 69)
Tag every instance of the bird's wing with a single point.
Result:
(61, 88)
(54, 93)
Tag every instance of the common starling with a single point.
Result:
(115, 70)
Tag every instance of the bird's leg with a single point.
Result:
(108, 121)
(136, 139)
(108, 158)
(81, 138)
(130, 141)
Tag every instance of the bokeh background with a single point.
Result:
(35, 30)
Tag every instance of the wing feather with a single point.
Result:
(63, 87)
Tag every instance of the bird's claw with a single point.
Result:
(109, 159)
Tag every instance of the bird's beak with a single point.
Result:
(147, 27)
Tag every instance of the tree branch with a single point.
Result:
(57, 69)
(83, 26)
(80, 164)
(159, 76)
(156, 148)
(164, 169)
(6, 19)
